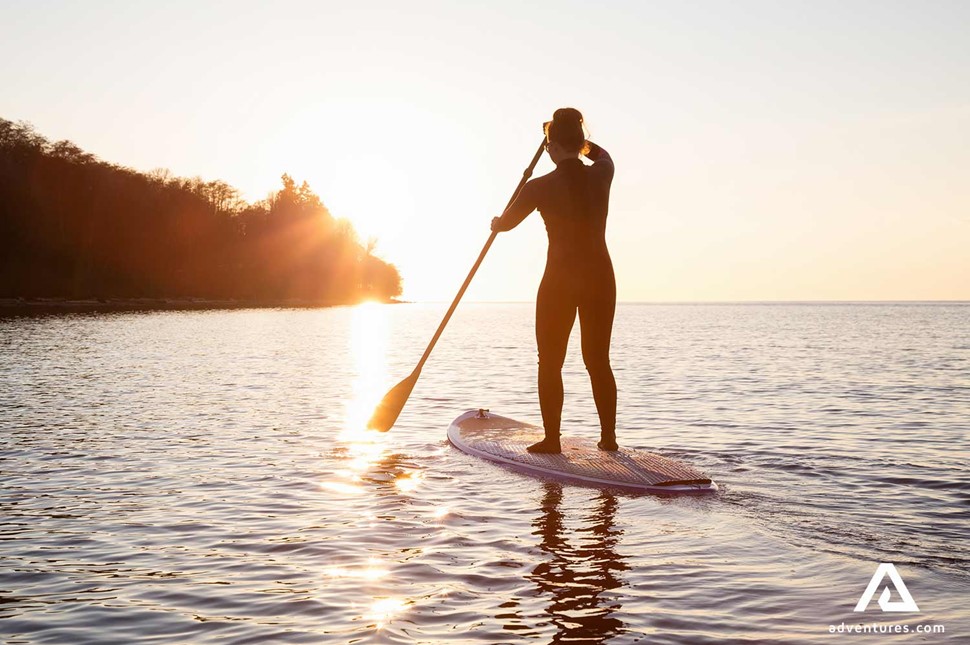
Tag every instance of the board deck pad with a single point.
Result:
(504, 440)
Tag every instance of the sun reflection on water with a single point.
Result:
(384, 610)
(368, 347)
(373, 570)
(367, 458)
(343, 488)
(408, 482)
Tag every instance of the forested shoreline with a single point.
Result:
(75, 227)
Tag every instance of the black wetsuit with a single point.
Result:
(573, 201)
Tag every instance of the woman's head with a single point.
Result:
(565, 132)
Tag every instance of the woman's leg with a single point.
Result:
(596, 323)
(555, 313)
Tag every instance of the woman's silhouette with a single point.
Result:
(573, 200)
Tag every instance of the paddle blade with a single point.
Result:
(391, 405)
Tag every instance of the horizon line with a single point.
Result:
(711, 302)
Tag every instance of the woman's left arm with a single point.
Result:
(602, 161)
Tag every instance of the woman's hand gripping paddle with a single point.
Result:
(393, 402)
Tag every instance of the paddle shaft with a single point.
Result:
(481, 256)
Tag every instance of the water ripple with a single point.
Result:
(204, 477)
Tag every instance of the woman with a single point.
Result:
(573, 200)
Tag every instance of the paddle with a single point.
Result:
(393, 402)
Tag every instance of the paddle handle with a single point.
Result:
(481, 256)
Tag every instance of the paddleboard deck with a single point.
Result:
(504, 441)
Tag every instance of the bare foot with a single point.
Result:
(608, 444)
(546, 446)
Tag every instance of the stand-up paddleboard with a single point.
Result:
(503, 440)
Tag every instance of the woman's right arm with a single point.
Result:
(525, 202)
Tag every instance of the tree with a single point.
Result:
(72, 225)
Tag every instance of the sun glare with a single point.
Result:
(371, 192)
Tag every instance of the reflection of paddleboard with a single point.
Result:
(503, 440)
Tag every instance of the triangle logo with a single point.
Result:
(905, 604)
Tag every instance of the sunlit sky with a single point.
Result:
(765, 150)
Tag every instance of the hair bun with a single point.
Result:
(568, 116)
(566, 128)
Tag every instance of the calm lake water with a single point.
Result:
(204, 477)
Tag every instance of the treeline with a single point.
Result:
(73, 226)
